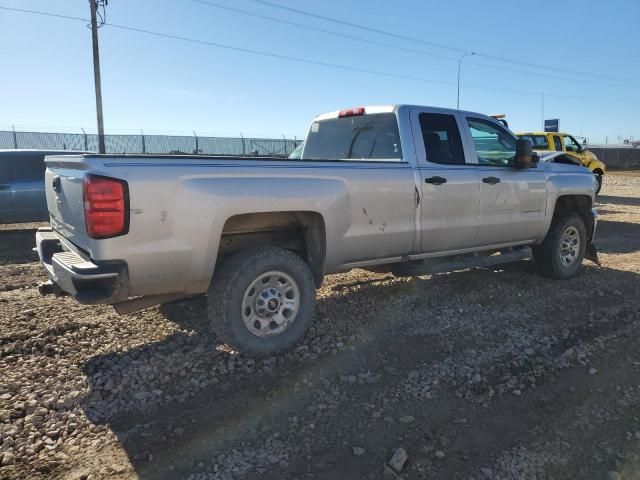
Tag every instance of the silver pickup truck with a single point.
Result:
(404, 189)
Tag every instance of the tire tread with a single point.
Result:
(225, 280)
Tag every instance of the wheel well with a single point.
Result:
(580, 204)
(300, 232)
(598, 171)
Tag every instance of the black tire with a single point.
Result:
(226, 300)
(547, 255)
(599, 180)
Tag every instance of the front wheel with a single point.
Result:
(598, 182)
(560, 254)
(261, 301)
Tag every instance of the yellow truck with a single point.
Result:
(563, 142)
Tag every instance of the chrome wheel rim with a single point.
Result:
(270, 304)
(569, 246)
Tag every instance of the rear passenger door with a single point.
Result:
(512, 201)
(449, 207)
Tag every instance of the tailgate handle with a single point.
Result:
(5, 187)
(56, 184)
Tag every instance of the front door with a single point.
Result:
(573, 148)
(512, 201)
(449, 206)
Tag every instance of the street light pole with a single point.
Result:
(459, 65)
(96, 75)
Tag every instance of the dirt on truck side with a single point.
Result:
(486, 373)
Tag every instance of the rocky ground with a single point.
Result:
(483, 374)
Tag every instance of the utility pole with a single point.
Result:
(459, 65)
(96, 75)
(543, 111)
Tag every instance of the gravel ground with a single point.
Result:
(482, 374)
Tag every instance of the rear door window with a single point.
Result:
(441, 138)
(364, 137)
(28, 167)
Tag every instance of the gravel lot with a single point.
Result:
(482, 374)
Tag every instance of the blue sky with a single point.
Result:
(168, 86)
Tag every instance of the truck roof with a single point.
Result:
(390, 108)
(541, 133)
(45, 151)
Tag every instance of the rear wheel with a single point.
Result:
(560, 254)
(261, 301)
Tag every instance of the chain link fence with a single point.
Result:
(158, 144)
(617, 156)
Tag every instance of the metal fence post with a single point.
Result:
(243, 150)
(86, 142)
(144, 147)
(15, 138)
(197, 148)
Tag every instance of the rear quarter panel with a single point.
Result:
(178, 208)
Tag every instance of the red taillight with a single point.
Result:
(351, 112)
(106, 212)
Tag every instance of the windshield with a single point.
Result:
(297, 153)
(539, 142)
(364, 137)
(571, 144)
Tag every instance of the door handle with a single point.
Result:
(435, 180)
(491, 180)
(5, 187)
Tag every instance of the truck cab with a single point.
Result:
(563, 142)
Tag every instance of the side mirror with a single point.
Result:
(524, 154)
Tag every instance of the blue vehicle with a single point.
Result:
(22, 197)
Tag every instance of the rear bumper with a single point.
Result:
(88, 281)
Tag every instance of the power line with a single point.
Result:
(434, 44)
(321, 30)
(305, 60)
(238, 49)
(398, 47)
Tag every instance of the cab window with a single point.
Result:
(557, 143)
(538, 141)
(570, 144)
(362, 137)
(441, 138)
(494, 145)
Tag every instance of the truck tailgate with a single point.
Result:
(64, 191)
